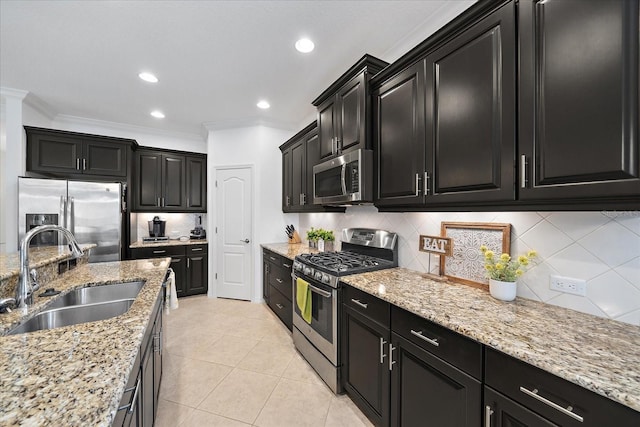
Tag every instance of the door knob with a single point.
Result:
(245, 240)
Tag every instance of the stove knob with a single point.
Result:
(307, 271)
(318, 275)
(325, 278)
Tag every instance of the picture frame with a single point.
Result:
(466, 265)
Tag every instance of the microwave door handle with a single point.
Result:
(343, 175)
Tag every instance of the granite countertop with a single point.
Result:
(598, 354)
(38, 256)
(289, 250)
(76, 375)
(171, 242)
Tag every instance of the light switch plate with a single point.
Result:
(568, 285)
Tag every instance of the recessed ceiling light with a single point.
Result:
(148, 77)
(263, 104)
(157, 114)
(304, 45)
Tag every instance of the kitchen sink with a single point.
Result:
(73, 315)
(98, 294)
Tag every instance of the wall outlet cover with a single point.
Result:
(568, 285)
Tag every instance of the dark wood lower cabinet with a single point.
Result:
(277, 286)
(500, 411)
(196, 282)
(365, 370)
(427, 391)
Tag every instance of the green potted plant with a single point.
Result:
(325, 240)
(312, 237)
(503, 272)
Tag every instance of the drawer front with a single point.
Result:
(157, 252)
(280, 278)
(539, 391)
(450, 346)
(372, 307)
(278, 260)
(197, 249)
(281, 306)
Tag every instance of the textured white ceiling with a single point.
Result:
(214, 59)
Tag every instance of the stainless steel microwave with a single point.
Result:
(344, 179)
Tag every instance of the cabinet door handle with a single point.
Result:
(280, 306)
(286, 265)
(279, 280)
(382, 355)
(417, 184)
(426, 184)
(131, 405)
(188, 262)
(196, 250)
(432, 341)
(360, 303)
(523, 171)
(163, 202)
(77, 163)
(159, 252)
(286, 201)
(391, 361)
(567, 411)
(158, 204)
(487, 416)
(84, 164)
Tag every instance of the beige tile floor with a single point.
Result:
(232, 363)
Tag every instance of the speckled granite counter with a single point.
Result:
(75, 375)
(599, 354)
(289, 250)
(10, 263)
(140, 244)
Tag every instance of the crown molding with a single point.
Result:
(68, 119)
(7, 92)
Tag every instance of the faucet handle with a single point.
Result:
(34, 280)
(7, 304)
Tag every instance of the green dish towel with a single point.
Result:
(303, 299)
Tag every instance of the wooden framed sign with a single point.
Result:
(466, 265)
(437, 245)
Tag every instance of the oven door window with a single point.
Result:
(321, 310)
(328, 183)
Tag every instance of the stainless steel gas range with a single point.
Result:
(363, 250)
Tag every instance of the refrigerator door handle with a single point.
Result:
(62, 219)
(71, 215)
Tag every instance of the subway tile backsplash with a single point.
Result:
(178, 224)
(602, 248)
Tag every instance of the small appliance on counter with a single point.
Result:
(157, 227)
(198, 233)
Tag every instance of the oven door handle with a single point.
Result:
(319, 291)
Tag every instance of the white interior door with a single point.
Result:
(234, 243)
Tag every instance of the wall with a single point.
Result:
(602, 248)
(256, 146)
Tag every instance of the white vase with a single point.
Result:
(504, 291)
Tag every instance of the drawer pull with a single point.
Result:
(272, 258)
(487, 416)
(382, 355)
(159, 252)
(391, 361)
(567, 411)
(196, 250)
(360, 303)
(280, 306)
(286, 265)
(279, 280)
(429, 340)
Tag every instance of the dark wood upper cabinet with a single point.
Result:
(399, 129)
(470, 114)
(169, 181)
(299, 154)
(578, 121)
(196, 175)
(343, 109)
(70, 154)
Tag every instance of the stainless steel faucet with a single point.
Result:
(24, 290)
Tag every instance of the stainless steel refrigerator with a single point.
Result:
(92, 211)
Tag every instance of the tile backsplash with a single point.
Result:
(602, 248)
(178, 224)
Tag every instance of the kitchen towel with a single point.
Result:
(303, 299)
(171, 294)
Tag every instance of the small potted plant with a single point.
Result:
(312, 237)
(503, 272)
(325, 240)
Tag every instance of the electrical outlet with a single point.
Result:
(568, 285)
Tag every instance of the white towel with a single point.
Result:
(172, 296)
